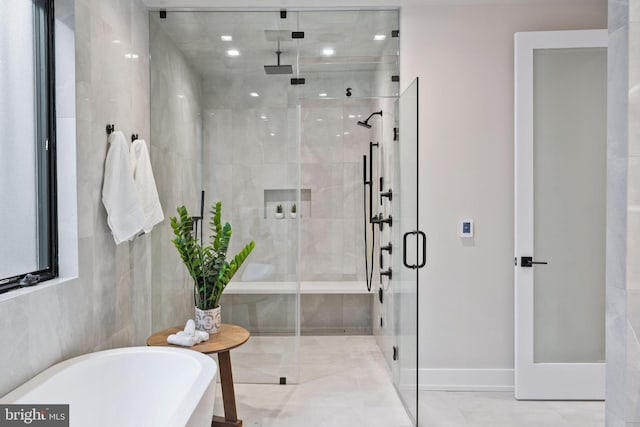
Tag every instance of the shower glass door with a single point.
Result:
(409, 255)
(211, 66)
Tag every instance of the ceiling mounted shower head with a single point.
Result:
(278, 69)
(366, 122)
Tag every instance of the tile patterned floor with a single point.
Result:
(493, 409)
(345, 382)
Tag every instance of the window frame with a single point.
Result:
(46, 187)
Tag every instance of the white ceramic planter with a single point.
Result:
(279, 215)
(293, 215)
(208, 320)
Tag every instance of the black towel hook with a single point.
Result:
(110, 128)
(134, 136)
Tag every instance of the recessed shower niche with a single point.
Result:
(287, 198)
(259, 139)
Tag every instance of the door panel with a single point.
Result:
(560, 214)
(407, 239)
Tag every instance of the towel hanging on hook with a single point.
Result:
(110, 128)
(134, 136)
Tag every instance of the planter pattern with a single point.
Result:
(208, 320)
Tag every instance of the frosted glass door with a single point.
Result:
(569, 204)
(560, 216)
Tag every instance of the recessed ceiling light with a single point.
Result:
(226, 38)
(180, 96)
(347, 132)
(327, 51)
(254, 94)
(319, 119)
(272, 134)
(352, 116)
(263, 117)
(338, 135)
(322, 94)
(131, 56)
(379, 37)
(116, 41)
(233, 52)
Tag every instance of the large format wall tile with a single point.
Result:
(176, 156)
(104, 306)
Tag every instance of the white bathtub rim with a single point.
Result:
(184, 409)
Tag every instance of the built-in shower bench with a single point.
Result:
(324, 287)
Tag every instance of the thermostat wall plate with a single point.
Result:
(466, 228)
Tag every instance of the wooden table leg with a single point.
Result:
(228, 394)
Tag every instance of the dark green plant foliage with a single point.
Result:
(207, 264)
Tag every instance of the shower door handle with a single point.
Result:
(424, 249)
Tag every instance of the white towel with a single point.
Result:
(190, 327)
(189, 336)
(183, 340)
(119, 194)
(145, 184)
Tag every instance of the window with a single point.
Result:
(28, 222)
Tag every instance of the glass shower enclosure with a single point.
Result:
(272, 102)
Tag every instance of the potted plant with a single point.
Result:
(294, 211)
(207, 264)
(279, 212)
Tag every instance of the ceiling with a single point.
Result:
(349, 33)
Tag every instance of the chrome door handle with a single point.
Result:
(527, 261)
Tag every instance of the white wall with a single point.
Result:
(463, 55)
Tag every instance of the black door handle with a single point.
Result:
(404, 250)
(424, 249)
(527, 261)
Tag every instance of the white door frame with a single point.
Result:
(561, 381)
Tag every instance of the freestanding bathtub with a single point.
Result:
(135, 386)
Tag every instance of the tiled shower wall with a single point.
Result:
(252, 149)
(623, 216)
(251, 153)
(107, 304)
(176, 125)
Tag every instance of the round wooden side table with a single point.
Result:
(229, 337)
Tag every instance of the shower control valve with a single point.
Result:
(381, 221)
(387, 273)
(387, 194)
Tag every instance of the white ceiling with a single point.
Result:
(349, 33)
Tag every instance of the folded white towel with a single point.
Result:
(119, 195)
(183, 340)
(190, 327)
(145, 184)
(201, 336)
(189, 336)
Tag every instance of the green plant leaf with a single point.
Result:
(206, 263)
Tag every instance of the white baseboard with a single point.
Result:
(466, 379)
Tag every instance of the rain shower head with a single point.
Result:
(366, 122)
(278, 69)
